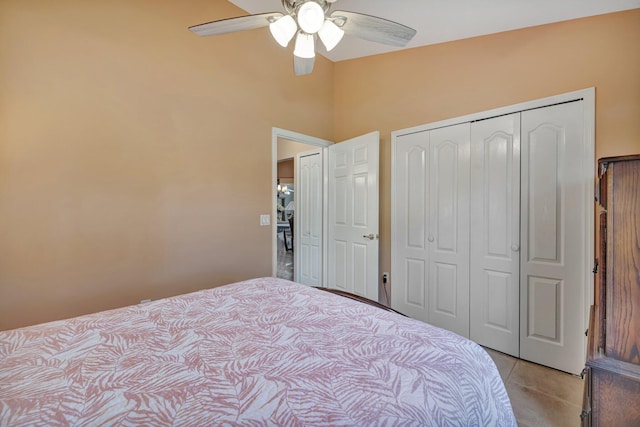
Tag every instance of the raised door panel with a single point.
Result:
(495, 233)
(545, 309)
(448, 228)
(338, 274)
(616, 399)
(340, 221)
(409, 224)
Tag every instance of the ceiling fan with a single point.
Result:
(310, 20)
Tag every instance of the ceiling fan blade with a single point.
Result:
(373, 28)
(303, 66)
(230, 25)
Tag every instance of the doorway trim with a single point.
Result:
(276, 134)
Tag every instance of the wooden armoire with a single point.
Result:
(612, 385)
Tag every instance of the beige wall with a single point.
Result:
(120, 134)
(418, 86)
(285, 171)
(288, 149)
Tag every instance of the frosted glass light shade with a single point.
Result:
(305, 47)
(330, 34)
(283, 30)
(310, 17)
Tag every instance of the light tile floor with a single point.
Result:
(285, 261)
(540, 396)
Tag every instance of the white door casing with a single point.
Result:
(495, 233)
(431, 227)
(553, 268)
(308, 247)
(352, 223)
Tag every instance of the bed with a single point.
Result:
(259, 352)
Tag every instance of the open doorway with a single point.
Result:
(285, 208)
(285, 146)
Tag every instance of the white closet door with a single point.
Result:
(448, 228)
(553, 270)
(430, 227)
(495, 233)
(308, 218)
(410, 205)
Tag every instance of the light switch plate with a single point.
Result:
(265, 219)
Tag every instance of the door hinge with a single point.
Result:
(584, 414)
(584, 372)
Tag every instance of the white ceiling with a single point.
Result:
(439, 21)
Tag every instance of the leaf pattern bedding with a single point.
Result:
(259, 352)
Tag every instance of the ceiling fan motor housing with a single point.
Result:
(293, 6)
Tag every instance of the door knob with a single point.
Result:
(515, 248)
(370, 236)
(431, 238)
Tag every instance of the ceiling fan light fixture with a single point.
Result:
(310, 17)
(283, 30)
(305, 47)
(330, 34)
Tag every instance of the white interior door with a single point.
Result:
(308, 218)
(553, 267)
(495, 233)
(448, 228)
(352, 222)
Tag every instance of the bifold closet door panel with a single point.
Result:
(430, 227)
(410, 193)
(553, 269)
(448, 228)
(495, 233)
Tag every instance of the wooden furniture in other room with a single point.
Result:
(612, 386)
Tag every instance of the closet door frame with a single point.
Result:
(588, 97)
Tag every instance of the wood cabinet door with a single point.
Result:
(623, 259)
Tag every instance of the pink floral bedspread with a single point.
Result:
(261, 352)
